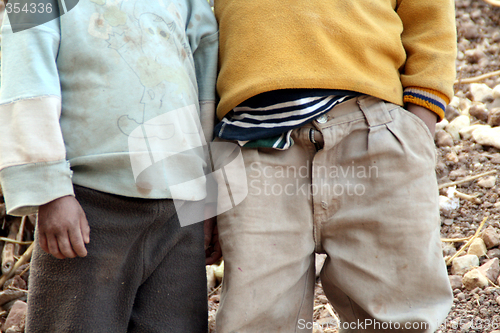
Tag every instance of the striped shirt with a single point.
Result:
(266, 120)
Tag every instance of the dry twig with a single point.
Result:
(454, 240)
(10, 240)
(462, 249)
(19, 236)
(24, 259)
(471, 198)
(495, 3)
(476, 79)
(467, 179)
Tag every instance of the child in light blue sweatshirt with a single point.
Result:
(100, 110)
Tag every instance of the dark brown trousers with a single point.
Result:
(143, 273)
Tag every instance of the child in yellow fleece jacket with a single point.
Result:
(334, 104)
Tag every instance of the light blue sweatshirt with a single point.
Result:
(113, 96)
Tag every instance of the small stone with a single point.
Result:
(451, 112)
(470, 30)
(456, 125)
(491, 269)
(493, 253)
(455, 281)
(487, 136)
(442, 124)
(477, 248)
(476, 290)
(463, 264)
(448, 249)
(452, 157)
(16, 320)
(487, 182)
(496, 90)
(211, 280)
(457, 174)
(320, 261)
(443, 139)
(466, 132)
(490, 237)
(447, 206)
(495, 158)
(498, 300)
(479, 111)
(448, 222)
(481, 92)
(494, 117)
(474, 279)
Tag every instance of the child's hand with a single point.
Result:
(427, 116)
(212, 246)
(63, 229)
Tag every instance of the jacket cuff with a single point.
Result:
(28, 186)
(427, 98)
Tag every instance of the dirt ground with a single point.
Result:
(478, 28)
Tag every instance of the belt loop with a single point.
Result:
(375, 110)
(313, 140)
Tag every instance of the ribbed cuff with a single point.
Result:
(427, 98)
(28, 186)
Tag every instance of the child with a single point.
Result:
(314, 92)
(99, 115)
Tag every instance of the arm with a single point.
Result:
(203, 39)
(33, 167)
(429, 38)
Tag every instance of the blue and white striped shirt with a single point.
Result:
(266, 120)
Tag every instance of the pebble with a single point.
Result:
(490, 237)
(474, 279)
(495, 158)
(487, 182)
(463, 264)
(16, 319)
(211, 280)
(491, 269)
(494, 117)
(443, 139)
(455, 282)
(493, 253)
(442, 124)
(480, 92)
(486, 135)
(479, 111)
(477, 247)
(447, 206)
(454, 127)
(451, 112)
(448, 222)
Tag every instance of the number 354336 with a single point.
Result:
(32, 8)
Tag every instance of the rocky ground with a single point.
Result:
(461, 156)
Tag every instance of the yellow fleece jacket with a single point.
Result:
(379, 47)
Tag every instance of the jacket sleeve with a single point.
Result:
(203, 37)
(33, 166)
(429, 38)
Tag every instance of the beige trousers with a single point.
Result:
(368, 200)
